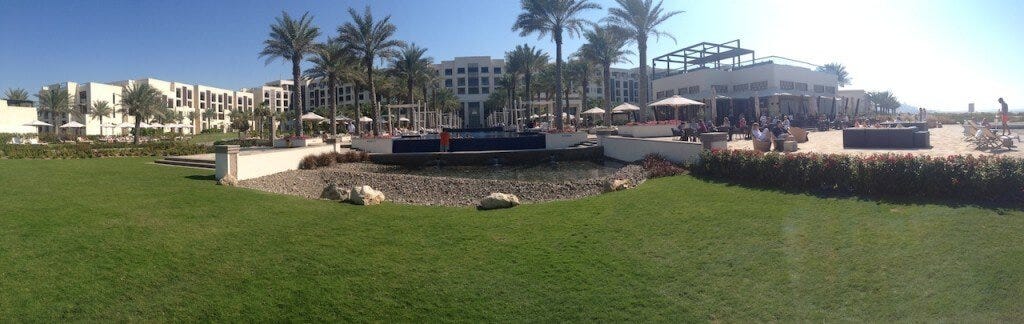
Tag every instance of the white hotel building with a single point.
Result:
(184, 99)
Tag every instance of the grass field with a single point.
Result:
(125, 240)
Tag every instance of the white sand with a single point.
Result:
(948, 140)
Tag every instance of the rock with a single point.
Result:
(334, 192)
(616, 185)
(365, 195)
(498, 200)
(228, 180)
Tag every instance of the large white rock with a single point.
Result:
(334, 192)
(617, 184)
(228, 181)
(498, 200)
(365, 195)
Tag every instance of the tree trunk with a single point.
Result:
(296, 76)
(559, 124)
(373, 97)
(273, 129)
(409, 85)
(424, 107)
(584, 98)
(332, 83)
(607, 75)
(138, 126)
(644, 78)
(359, 110)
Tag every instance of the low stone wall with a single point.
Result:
(592, 153)
(646, 131)
(564, 140)
(255, 164)
(372, 145)
(629, 149)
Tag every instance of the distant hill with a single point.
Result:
(905, 108)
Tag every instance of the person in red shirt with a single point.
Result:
(446, 139)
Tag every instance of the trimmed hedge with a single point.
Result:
(96, 150)
(982, 178)
(328, 159)
(249, 142)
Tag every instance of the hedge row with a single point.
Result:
(249, 142)
(328, 159)
(982, 178)
(95, 150)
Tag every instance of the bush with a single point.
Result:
(657, 166)
(328, 159)
(249, 142)
(967, 178)
(99, 149)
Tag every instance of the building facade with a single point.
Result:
(15, 114)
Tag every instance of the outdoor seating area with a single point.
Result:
(893, 137)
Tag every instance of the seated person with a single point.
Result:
(786, 123)
(758, 134)
(779, 131)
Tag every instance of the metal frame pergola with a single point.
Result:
(700, 56)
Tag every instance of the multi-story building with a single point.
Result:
(187, 101)
(277, 94)
(14, 114)
(472, 79)
(742, 84)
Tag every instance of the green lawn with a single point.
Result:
(125, 240)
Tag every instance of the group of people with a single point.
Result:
(779, 130)
(778, 126)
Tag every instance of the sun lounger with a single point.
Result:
(996, 141)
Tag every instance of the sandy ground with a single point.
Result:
(948, 140)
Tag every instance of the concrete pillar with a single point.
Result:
(226, 158)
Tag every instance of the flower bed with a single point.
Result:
(94, 150)
(970, 178)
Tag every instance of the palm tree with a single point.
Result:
(16, 94)
(329, 64)
(209, 114)
(369, 39)
(57, 101)
(291, 39)
(559, 18)
(884, 100)
(641, 18)
(143, 102)
(605, 47)
(412, 65)
(578, 76)
(192, 117)
(262, 112)
(528, 61)
(100, 109)
(445, 100)
(839, 71)
(240, 121)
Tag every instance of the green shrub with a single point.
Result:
(968, 178)
(99, 149)
(328, 159)
(657, 166)
(249, 142)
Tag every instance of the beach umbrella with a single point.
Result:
(593, 111)
(625, 107)
(72, 124)
(676, 102)
(37, 123)
(342, 118)
(403, 119)
(365, 119)
(310, 116)
(156, 125)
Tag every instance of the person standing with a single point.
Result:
(1005, 116)
(446, 139)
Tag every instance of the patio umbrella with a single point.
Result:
(342, 118)
(593, 111)
(36, 123)
(72, 124)
(365, 119)
(312, 116)
(125, 125)
(675, 102)
(403, 119)
(625, 108)
(156, 125)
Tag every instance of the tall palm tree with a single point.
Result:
(56, 101)
(507, 82)
(16, 94)
(262, 112)
(886, 101)
(412, 65)
(559, 18)
(445, 101)
(369, 39)
(143, 102)
(192, 117)
(100, 109)
(641, 18)
(427, 81)
(291, 39)
(329, 64)
(209, 114)
(605, 47)
(839, 71)
(528, 61)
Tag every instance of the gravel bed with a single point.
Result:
(432, 190)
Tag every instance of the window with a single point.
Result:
(473, 69)
(831, 90)
(177, 92)
(497, 70)
(485, 90)
(447, 71)
(474, 90)
(801, 86)
(483, 69)
(202, 96)
(485, 81)
(462, 70)
(819, 88)
(786, 85)
(474, 82)
(462, 82)
(757, 86)
(740, 87)
(694, 90)
(448, 83)
(721, 88)
(82, 95)
(683, 91)
(462, 91)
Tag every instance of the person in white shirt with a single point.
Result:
(758, 134)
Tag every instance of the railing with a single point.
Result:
(739, 66)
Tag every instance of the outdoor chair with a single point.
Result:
(762, 146)
(82, 140)
(996, 141)
(799, 134)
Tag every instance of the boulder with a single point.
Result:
(228, 180)
(367, 196)
(498, 200)
(617, 184)
(334, 192)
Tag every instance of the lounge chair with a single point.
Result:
(762, 146)
(996, 141)
(799, 134)
(82, 140)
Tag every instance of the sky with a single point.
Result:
(939, 55)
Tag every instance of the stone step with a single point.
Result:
(184, 159)
(200, 165)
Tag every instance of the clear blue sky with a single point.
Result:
(938, 54)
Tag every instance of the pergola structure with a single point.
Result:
(700, 56)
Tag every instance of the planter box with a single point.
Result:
(564, 140)
(643, 131)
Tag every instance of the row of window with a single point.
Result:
(472, 70)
